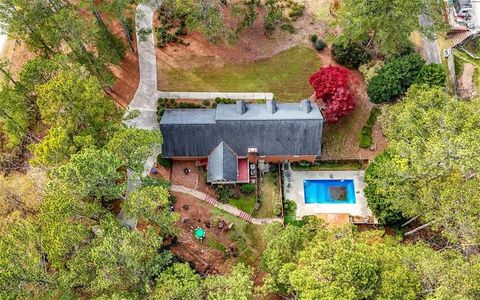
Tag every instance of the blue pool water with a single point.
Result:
(319, 191)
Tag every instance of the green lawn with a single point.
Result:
(248, 238)
(285, 75)
(245, 203)
(269, 195)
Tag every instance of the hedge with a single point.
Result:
(393, 80)
(366, 138)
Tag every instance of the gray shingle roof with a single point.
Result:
(288, 131)
(222, 164)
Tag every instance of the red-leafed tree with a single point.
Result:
(332, 90)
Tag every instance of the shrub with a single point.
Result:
(393, 80)
(181, 30)
(224, 193)
(206, 103)
(371, 69)
(277, 210)
(149, 181)
(189, 105)
(248, 188)
(366, 139)
(313, 38)
(160, 112)
(432, 75)
(350, 55)
(274, 16)
(164, 162)
(164, 37)
(288, 27)
(319, 45)
(332, 87)
(219, 100)
(290, 207)
(296, 10)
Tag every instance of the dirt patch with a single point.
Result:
(162, 172)
(194, 179)
(203, 255)
(16, 53)
(466, 87)
(185, 173)
(253, 44)
(127, 73)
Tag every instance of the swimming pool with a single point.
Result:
(329, 191)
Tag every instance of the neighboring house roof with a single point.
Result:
(222, 164)
(274, 129)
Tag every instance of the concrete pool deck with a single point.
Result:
(293, 190)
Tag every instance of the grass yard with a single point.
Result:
(285, 75)
(245, 203)
(248, 238)
(269, 196)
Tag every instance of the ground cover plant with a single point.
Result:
(282, 74)
(248, 238)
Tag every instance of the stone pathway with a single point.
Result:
(225, 207)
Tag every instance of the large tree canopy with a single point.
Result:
(90, 173)
(134, 146)
(433, 164)
(238, 284)
(386, 23)
(52, 27)
(178, 282)
(152, 203)
(80, 115)
(341, 263)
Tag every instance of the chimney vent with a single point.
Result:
(271, 106)
(306, 106)
(241, 107)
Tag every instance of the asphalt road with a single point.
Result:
(430, 48)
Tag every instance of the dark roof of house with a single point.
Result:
(222, 164)
(292, 129)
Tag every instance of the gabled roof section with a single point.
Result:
(290, 129)
(222, 164)
(188, 116)
(260, 112)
